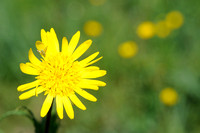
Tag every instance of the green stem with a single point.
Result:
(48, 119)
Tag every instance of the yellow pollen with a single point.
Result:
(59, 75)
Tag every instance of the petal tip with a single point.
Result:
(18, 88)
(42, 31)
(84, 108)
(20, 98)
(61, 117)
(104, 84)
(21, 66)
(78, 32)
(64, 38)
(89, 41)
(71, 117)
(30, 49)
(42, 115)
(52, 30)
(104, 72)
(94, 100)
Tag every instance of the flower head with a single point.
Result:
(60, 75)
(174, 19)
(93, 28)
(169, 96)
(162, 30)
(128, 49)
(146, 30)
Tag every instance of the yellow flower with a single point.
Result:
(93, 28)
(162, 30)
(128, 49)
(146, 30)
(169, 96)
(97, 2)
(174, 20)
(60, 75)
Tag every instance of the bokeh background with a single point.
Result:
(151, 51)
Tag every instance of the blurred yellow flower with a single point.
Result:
(93, 28)
(146, 30)
(60, 75)
(174, 19)
(169, 96)
(128, 49)
(162, 29)
(97, 2)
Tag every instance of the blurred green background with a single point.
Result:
(130, 103)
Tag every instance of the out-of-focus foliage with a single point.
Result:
(130, 103)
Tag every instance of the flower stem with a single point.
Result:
(48, 119)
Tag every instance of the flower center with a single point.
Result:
(59, 75)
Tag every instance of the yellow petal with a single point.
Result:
(81, 49)
(50, 48)
(87, 86)
(92, 62)
(46, 105)
(28, 85)
(64, 46)
(33, 59)
(91, 68)
(26, 68)
(85, 94)
(55, 39)
(73, 43)
(59, 106)
(93, 74)
(77, 102)
(44, 37)
(31, 93)
(93, 82)
(68, 107)
(40, 46)
(89, 58)
(53, 47)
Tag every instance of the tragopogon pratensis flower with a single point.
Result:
(93, 28)
(169, 96)
(162, 30)
(128, 49)
(174, 19)
(60, 75)
(146, 30)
